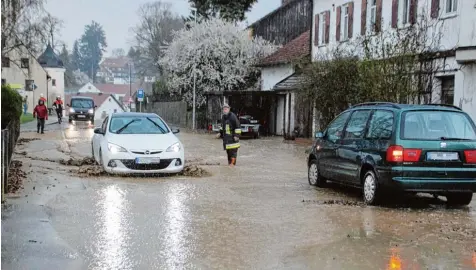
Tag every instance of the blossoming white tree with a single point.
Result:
(220, 54)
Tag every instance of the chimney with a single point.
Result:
(284, 2)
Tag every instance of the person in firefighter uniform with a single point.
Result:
(231, 131)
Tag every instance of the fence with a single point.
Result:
(5, 161)
(176, 113)
(9, 139)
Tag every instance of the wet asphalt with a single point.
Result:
(261, 214)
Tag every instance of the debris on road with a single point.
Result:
(78, 162)
(15, 176)
(91, 170)
(335, 202)
(22, 141)
(194, 171)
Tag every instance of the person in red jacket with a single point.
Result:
(41, 114)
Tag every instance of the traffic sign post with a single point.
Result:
(140, 98)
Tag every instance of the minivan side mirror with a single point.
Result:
(319, 135)
(175, 130)
(98, 131)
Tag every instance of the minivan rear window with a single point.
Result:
(437, 125)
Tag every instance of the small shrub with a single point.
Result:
(11, 105)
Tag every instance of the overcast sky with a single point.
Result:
(118, 16)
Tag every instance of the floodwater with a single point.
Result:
(261, 214)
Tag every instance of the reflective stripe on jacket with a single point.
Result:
(230, 128)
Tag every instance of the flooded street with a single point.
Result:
(261, 214)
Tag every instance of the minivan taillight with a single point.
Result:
(470, 156)
(397, 153)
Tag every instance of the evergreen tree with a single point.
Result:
(228, 10)
(92, 46)
(75, 56)
(68, 75)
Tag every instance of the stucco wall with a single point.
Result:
(58, 75)
(16, 75)
(270, 76)
(106, 108)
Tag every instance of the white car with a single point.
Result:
(130, 143)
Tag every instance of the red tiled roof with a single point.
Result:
(121, 89)
(295, 49)
(99, 99)
(115, 62)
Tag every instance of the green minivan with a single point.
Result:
(386, 148)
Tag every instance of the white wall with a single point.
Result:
(465, 89)
(108, 107)
(58, 90)
(458, 29)
(270, 76)
(88, 88)
(16, 75)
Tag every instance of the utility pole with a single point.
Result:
(194, 83)
(130, 86)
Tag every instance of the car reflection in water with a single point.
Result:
(394, 263)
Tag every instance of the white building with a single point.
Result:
(25, 74)
(336, 22)
(53, 65)
(278, 74)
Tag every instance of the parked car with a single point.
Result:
(81, 109)
(128, 143)
(384, 148)
(250, 127)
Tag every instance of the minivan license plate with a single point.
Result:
(81, 116)
(446, 156)
(147, 160)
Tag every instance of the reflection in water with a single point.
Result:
(394, 263)
(474, 259)
(176, 214)
(369, 221)
(112, 242)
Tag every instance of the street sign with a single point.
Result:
(140, 95)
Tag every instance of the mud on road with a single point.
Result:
(261, 214)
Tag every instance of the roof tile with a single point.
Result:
(295, 49)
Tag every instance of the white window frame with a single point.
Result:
(371, 10)
(322, 28)
(405, 12)
(452, 4)
(345, 22)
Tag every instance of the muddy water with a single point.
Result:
(261, 214)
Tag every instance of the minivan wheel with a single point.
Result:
(313, 176)
(459, 199)
(371, 190)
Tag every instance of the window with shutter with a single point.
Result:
(351, 20)
(372, 15)
(451, 6)
(338, 22)
(322, 28)
(316, 30)
(406, 11)
(344, 22)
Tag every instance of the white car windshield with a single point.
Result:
(137, 125)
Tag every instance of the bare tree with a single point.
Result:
(21, 27)
(118, 52)
(152, 35)
(52, 26)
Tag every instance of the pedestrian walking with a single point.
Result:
(25, 105)
(231, 131)
(41, 114)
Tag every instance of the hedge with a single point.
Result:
(11, 105)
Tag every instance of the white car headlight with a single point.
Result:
(174, 147)
(71, 110)
(115, 148)
(91, 111)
